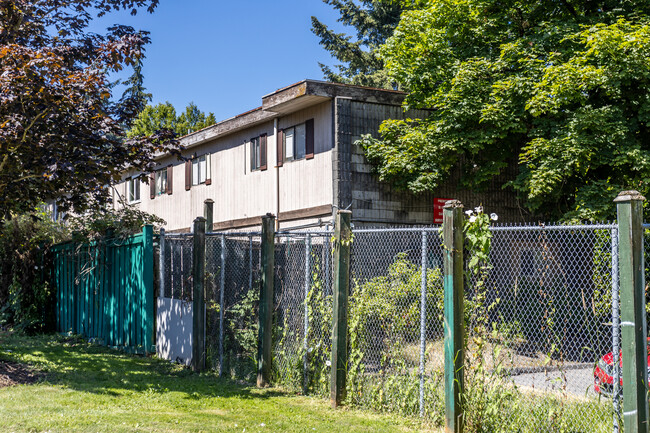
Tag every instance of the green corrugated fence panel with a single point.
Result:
(105, 290)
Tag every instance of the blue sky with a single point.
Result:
(225, 55)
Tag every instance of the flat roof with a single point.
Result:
(287, 100)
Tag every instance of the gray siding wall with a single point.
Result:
(377, 203)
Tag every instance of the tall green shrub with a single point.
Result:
(27, 299)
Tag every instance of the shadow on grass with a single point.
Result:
(76, 364)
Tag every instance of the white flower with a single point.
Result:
(469, 212)
(328, 363)
(472, 218)
(262, 425)
(494, 216)
(478, 209)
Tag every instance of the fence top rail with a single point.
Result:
(398, 229)
(304, 234)
(234, 234)
(542, 227)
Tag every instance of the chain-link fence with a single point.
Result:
(231, 302)
(541, 314)
(176, 280)
(539, 317)
(395, 321)
(303, 311)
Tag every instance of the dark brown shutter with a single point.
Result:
(263, 152)
(280, 147)
(309, 139)
(152, 186)
(170, 179)
(188, 175)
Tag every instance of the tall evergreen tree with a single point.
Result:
(373, 22)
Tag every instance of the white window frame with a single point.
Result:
(201, 169)
(255, 153)
(160, 187)
(133, 190)
(296, 148)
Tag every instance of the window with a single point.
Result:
(133, 190)
(160, 182)
(160, 185)
(199, 170)
(258, 153)
(297, 142)
(294, 142)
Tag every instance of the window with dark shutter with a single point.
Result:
(297, 142)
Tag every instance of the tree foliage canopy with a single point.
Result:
(564, 85)
(61, 131)
(163, 116)
(373, 22)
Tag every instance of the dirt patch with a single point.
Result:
(13, 373)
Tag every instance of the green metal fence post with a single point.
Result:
(198, 296)
(452, 230)
(340, 291)
(266, 301)
(629, 206)
(147, 318)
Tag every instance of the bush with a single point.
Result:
(27, 299)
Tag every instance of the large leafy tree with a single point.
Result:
(373, 22)
(563, 87)
(157, 117)
(153, 118)
(193, 119)
(61, 133)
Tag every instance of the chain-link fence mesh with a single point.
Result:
(176, 282)
(302, 311)
(395, 321)
(539, 317)
(232, 302)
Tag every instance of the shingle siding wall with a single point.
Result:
(377, 203)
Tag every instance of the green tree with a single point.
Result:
(193, 119)
(61, 137)
(373, 22)
(562, 85)
(154, 118)
(163, 117)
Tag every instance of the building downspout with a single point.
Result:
(277, 177)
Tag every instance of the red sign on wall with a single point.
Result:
(438, 204)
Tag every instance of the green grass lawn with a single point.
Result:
(93, 389)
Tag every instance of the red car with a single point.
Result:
(604, 373)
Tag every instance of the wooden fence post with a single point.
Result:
(266, 302)
(629, 206)
(341, 291)
(198, 296)
(148, 299)
(452, 227)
